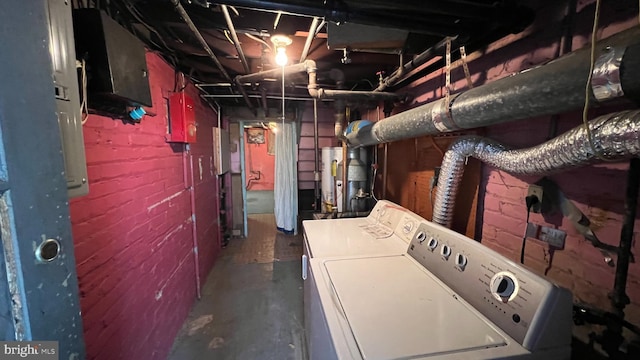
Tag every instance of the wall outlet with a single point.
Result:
(537, 191)
(532, 230)
(553, 237)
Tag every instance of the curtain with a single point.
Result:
(286, 179)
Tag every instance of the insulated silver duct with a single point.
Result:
(553, 88)
(615, 136)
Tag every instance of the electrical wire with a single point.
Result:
(226, 34)
(524, 237)
(84, 106)
(255, 38)
(530, 201)
(587, 89)
(138, 16)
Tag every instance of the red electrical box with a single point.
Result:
(182, 119)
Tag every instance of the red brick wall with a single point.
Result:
(133, 232)
(257, 156)
(597, 190)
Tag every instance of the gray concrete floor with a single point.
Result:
(251, 306)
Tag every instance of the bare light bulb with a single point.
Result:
(281, 56)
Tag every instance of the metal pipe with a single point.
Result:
(263, 97)
(612, 337)
(245, 96)
(320, 93)
(198, 36)
(276, 72)
(619, 297)
(422, 58)
(310, 36)
(316, 169)
(615, 136)
(310, 67)
(274, 97)
(234, 37)
(188, 156)
(545, 90)
(335, 12)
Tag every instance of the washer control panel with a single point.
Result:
(396, 219)
(530, 309)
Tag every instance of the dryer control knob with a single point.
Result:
(408, 226)
(432, 244)
(421, 236)
(445, 251)
(461, 261)
(504, 286)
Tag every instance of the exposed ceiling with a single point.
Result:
(425, 22)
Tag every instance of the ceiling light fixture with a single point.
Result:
(281, 42)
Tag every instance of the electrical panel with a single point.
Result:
(221, 153)
(182, 119)
(66, 92)
(117, 74)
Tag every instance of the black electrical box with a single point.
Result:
(116, 67)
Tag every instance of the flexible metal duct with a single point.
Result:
(545, 90)
(615, 136)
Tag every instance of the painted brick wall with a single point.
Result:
(597, 190)
(257, 158)
(133, 232)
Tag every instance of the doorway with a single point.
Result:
(259, 159)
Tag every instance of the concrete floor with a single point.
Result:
(251, 306)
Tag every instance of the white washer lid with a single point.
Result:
(396, 309)
(349, 237)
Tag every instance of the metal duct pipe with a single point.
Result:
(548, 89)
(420, 59)
(312, 34)
(615, 136)
(198, 36)
(356, 180)
(234, 37)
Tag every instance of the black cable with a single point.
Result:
(530, 201)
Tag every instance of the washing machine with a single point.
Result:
(444, 297)
(387, 229)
